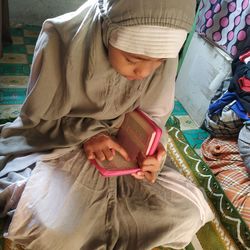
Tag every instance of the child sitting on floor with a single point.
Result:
(90, 68)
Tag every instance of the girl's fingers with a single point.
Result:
(120, 149)
(161, 152)
(139, 175)
(90, 155)
(151, 168)
(150, 176)
(147, 160)
(108, 154)
(113, 151)
(100, 155)
(150, 161)
(102, 146)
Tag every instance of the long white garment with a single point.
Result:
(67, 205)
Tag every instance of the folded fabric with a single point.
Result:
(229, 100)
(244, 145)
(244, 84)
(245, 57)
(221, 90)
(223, 158)
(225, 124)
(225, 116)
(225, 24)
(240, 82)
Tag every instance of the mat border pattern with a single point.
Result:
(194, 168)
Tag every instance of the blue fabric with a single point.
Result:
(240, 111)
(227, 98)
(217, 106)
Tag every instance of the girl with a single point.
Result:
(90, 68)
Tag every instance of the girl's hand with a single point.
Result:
(150, 165)
(102, 147)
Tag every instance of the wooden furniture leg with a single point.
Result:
(4, 24)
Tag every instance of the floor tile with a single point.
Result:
(30, 49)
(179, 109)
(30, 40)
(14, 48)
(186, 122)
(195, 137)
(12, 96)
(16, 31)
(31, 33)
(14, 69)
(32, 27)
(13, 81)
(12, 58)
(9, 111)
(17, 40)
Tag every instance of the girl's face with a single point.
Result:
(132, 66)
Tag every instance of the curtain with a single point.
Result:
(225, 23)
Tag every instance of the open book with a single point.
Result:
(138, 133)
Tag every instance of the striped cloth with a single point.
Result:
(223, 157)
(227, 124)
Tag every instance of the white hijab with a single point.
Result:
(152, 41)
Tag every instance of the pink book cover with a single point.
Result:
(138, 133)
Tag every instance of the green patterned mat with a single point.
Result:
(227, 232)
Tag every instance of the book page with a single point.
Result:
(118, 163)
(135, 135)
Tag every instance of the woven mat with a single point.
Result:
(228, 230)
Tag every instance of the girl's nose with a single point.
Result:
(143, 71)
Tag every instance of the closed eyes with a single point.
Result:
(132, 60)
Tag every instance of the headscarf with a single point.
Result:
(149, 40)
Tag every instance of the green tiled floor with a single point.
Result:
(194, 135)
(178, 109)
(15, 69)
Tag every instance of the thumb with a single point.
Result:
(161, 152)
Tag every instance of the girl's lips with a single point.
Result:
(130, 78)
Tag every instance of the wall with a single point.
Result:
(200, 76)
(36, 11)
